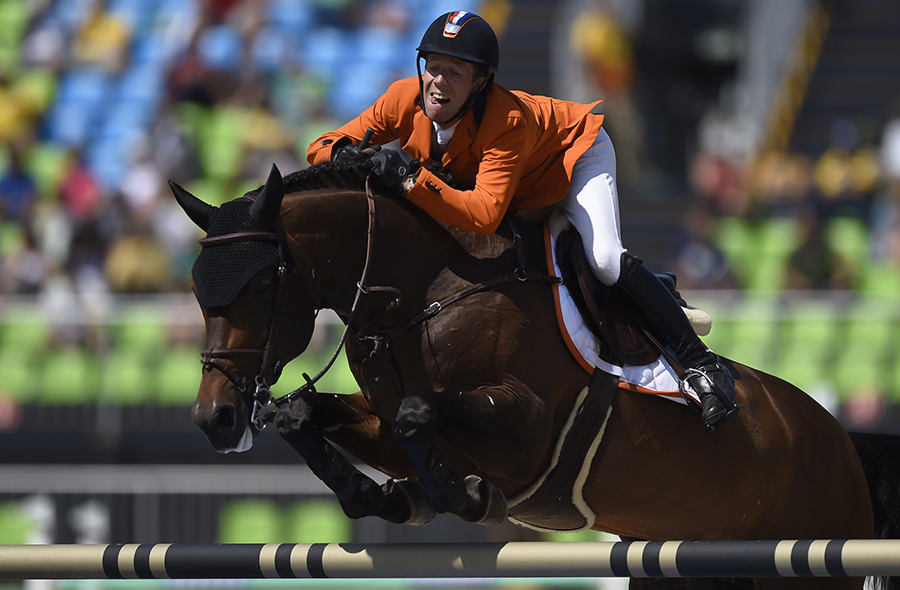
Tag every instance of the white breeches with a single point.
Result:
(592, 206)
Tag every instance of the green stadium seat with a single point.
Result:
(47, 163)
(754, 333)
(26, 331)
(867, 350)
(16, 526)
(734, 237)
(774, 241)
(141, 330)
(338, 379)
(878, 278)
(69, 377)
(250, 521)
(292, 375)
(318, 521)
(126, 378)
(219, 142)
(178, 377)
(21, 375)
(849, 236)
(809, 343)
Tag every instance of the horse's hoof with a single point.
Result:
(366, 498)
(406, 503)
(483, 493)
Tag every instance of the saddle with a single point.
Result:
(607, 313)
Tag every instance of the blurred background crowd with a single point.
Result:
(758, 150)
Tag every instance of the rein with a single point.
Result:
(263, 404)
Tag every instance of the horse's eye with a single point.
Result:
(263, 285)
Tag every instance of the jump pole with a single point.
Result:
(673, 559)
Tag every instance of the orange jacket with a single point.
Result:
(520, 157)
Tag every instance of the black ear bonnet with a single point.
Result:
(222, 270)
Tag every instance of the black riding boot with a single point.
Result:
(709, 378)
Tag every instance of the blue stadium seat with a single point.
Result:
(84, 84)
(293, 17)
(357, 88)
(326, 50)
(274, 48)
(109, 159)
(137, 14)
(70, 123)
(221, 47)
(382, 49)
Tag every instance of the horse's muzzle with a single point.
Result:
(226, 425)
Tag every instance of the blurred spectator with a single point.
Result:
(189, 79)
(15, 112)
(719, 182)
(170, 148)
(136, 263)
(700, 263)
(604, 45)
(341, 14)
(18, 191)
(885, 213)
(80, 191)
(24, 267)
(815, 264)
(847, 171)
(142, 184)
(46, 42)
(779, 179)
(102, 40)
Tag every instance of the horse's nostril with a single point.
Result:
(224, 418)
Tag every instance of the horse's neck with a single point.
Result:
(409, 249)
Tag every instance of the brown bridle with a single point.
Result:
(261, 400)
(260, 397)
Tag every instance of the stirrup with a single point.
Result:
(707, 388)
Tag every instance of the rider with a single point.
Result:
(499, 150)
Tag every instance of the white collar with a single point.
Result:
(443, 136)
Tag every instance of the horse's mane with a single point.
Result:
(327, 175)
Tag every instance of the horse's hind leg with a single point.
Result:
(471, 498)
(398, 501)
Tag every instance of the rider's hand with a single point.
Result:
(351, 154)
(390, 168)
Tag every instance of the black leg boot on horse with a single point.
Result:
(471, 498)
(704, 373)
(397, 501)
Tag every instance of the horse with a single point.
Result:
(470, 400)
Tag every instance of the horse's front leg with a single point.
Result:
(472, 498)
(302, 423)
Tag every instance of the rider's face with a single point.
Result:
(448, 83)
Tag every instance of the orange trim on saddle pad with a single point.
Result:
(573, 349)
(548, 248)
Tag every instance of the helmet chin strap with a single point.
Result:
(489, 77)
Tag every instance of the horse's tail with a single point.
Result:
(880, 457)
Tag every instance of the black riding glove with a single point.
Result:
(388, 167)
(351, 154)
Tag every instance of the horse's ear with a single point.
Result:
(267, 206)
(198, 211)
